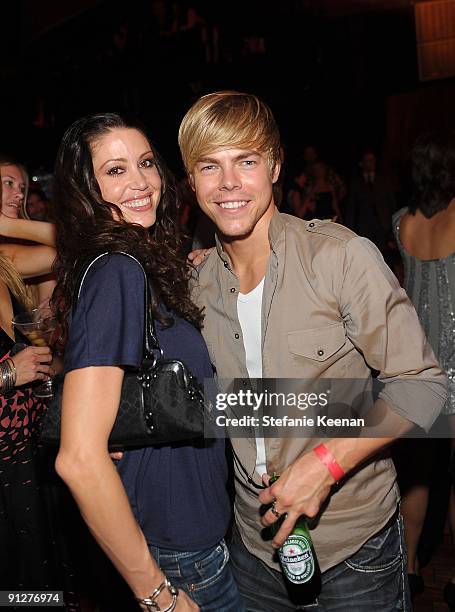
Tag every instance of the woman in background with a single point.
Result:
(14, 180)
(15, 183)
(425, 233)
(25, 542)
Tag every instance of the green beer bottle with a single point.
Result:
(298, 561)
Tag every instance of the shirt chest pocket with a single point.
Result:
(321, 344)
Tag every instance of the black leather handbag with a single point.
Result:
(161, 402)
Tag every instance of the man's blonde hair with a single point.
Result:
(228, 119)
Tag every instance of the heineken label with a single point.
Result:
(296, 559)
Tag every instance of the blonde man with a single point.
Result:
(285, 298)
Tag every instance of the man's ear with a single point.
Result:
(276, 171)
(191, 180)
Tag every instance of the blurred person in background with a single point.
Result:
(298, 201)
(15, 187)
(320, 194)
(14, 180)
(425, 233)
(25, 551)
(37, 206)
(310, 157)
(371, 203)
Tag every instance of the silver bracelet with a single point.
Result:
(4, 376)
(13, 370)
(150, 602)
(8, 375)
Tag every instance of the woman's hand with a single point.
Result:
(197, 256)
(185, 604)
(31, 364)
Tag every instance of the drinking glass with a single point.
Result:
(39, 326)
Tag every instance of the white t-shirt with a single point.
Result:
(249, 310)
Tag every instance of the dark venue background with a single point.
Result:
(341, 73)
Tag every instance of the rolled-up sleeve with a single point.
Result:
(383, 325)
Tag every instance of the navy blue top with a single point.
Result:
(177, 493)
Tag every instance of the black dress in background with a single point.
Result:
(25, 549)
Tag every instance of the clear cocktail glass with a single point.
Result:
(39, 326)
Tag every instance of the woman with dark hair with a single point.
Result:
(162, 514)
(425, 233)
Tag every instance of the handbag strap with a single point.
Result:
(150, 340)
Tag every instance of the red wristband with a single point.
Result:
(329, 461)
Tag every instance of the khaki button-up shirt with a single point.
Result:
(331, 309)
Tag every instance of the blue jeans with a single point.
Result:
(205, 575)
(374, 579)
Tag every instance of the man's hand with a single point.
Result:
(301, 489)
(197, 256)
(116, 455)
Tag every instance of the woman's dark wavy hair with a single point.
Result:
(85, 225)
(433, 173)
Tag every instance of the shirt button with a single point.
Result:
(232, 289)
(236, 336)
(320, 352)
(226, 264)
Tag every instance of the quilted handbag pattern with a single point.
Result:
(160, 403)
